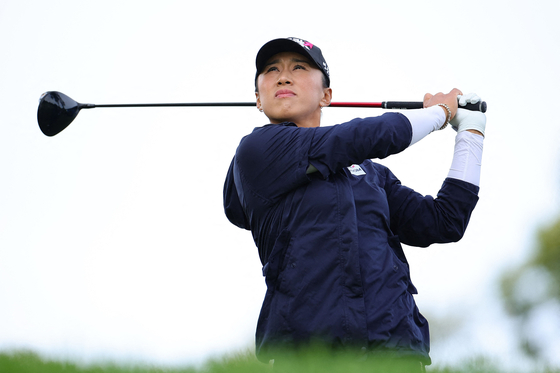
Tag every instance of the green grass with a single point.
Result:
(243, 362)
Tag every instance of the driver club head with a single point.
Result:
(56, 111)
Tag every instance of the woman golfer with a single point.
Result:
(329, 223)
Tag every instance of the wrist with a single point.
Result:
(424, 121)
(475, 132)
(447, 111)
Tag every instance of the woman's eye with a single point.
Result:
(272, 68)
(299, 67)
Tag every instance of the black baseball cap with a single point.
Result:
(292, 45)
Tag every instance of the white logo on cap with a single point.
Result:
(302, 42)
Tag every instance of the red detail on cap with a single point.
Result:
(308, 44)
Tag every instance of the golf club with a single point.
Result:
(56, 110)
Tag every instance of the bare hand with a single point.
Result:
(450, 99)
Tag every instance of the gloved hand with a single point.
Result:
(468, 119)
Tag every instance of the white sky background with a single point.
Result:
(113, 241)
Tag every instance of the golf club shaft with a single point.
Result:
(56, 110)
(193, 104)
(481, 106)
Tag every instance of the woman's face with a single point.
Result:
(290, 88)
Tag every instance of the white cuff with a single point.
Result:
(467, 158)
(425, 121)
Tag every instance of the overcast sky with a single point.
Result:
(113, 241)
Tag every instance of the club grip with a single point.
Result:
(479, 106)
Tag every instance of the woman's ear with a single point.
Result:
(258, 100)
(327, 97)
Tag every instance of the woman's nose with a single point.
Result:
(284, 78)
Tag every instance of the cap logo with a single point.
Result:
(303, 43)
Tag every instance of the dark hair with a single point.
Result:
(324, 80)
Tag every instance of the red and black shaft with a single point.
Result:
(399, 105)
(56, 110)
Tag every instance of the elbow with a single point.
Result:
(453, 232)
(455, 236)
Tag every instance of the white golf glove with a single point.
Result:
(468, 119)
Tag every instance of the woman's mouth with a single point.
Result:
(284, 93)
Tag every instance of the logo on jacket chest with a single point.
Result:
(356, 170)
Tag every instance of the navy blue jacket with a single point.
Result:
(330, 242)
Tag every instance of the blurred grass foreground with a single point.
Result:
(244, 362)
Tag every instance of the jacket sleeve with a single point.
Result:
(422, 220)
(274, 159)
(232, 205)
